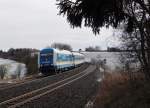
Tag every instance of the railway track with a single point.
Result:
(35, 94)
(17, 83)
(20, 89)
(29, 80)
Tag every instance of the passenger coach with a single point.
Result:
(52, 60)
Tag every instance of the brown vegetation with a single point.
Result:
(120, 91)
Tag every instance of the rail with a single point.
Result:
(35, 94)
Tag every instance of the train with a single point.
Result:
(51, 60)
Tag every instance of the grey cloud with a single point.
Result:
(35, 24)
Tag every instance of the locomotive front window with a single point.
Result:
(46, 57)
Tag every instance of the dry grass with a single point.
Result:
(120, 91)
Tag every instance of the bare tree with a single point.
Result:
(3, 71)
(61, 46)
(18, 70)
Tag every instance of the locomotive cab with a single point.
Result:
(46, 61)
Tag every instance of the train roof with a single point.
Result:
(61, 51)
(77, 53)
(46, 50)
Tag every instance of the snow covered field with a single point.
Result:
(14, 69)
(112, 58)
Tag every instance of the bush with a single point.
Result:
(31, 64)
(119, 91)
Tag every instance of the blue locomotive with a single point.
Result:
(53, 60)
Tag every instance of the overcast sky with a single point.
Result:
(35, 24)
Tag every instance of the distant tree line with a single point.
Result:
(113, 49)
(16, 53)
(109, 49)
(93, 49)
(61, 46)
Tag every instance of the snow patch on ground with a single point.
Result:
(12, 68)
